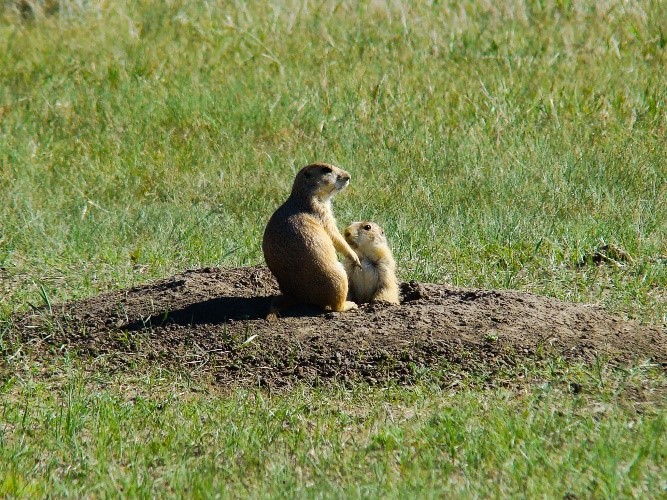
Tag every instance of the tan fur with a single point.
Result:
(301, 240)
(376, 278)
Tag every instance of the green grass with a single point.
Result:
(497, 145)
(98, 438)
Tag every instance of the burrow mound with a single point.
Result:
(211, 322)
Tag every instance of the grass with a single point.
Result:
(168, 437)
(498, 146)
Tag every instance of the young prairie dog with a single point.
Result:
(376, 278)
(301, 240)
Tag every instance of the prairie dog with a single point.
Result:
(301, 240)
(376, 278)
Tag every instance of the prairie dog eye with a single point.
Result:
(327, 170)
(367, 227)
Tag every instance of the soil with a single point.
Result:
(210, 322)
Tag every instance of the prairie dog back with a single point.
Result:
(301, 240)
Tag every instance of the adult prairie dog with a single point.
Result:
(301, 240)
(376, 278)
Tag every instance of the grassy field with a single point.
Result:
(499, 146)
(155, 436)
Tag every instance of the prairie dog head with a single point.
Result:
(321, 181)
(365, 236)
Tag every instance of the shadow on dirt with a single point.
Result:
(219, 311)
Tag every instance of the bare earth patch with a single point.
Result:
(210, 322)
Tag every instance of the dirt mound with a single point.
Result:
(210, 322)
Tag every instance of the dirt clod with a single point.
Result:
(211, 322)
